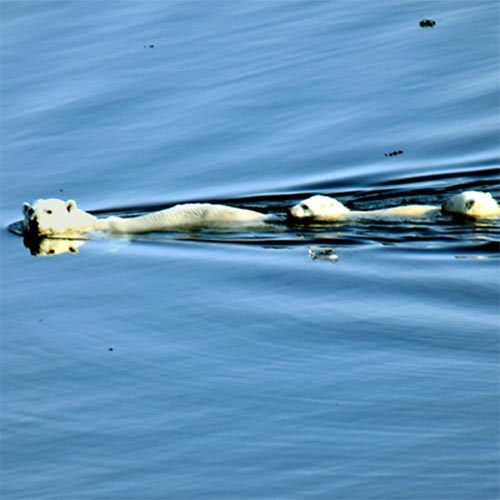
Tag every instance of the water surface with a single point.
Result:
(231, 364)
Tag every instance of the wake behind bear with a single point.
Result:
(54, 217)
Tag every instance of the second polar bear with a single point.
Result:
(471, 204)
(54, 217)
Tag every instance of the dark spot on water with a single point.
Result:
(427, 23)
(110, 349)
(323, 254)
(394, 153)
(151, 46)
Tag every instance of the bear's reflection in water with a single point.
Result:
(48, 247)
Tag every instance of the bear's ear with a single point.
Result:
(26, 207)
(70, 205)
(469, 204)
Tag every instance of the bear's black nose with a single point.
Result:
(33, 226)
(289, 215)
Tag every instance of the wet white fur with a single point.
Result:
(471, 204)
(53, 217)
(325, 208)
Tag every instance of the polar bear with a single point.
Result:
(54, 217)
(471, 204)
(324, 208)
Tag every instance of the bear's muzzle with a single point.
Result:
(33, 226)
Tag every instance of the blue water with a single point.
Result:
(226, 364)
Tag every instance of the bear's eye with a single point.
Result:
(469, 204)
(304, 206)
(48, 211)
(51, 251)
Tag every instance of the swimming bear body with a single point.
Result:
(54, 217)
(470, 204)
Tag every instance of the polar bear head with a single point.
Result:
(474, 204)
(55, 217)
(319, 206)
